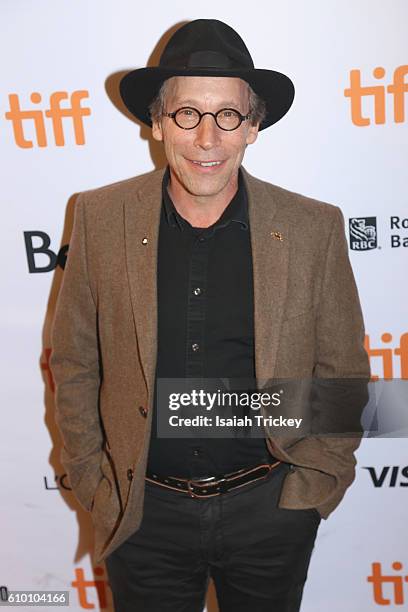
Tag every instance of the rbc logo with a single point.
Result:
(363, 233)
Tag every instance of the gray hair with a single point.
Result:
(257, 106)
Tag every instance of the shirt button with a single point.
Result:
(197, 291)
(201, 238)
(195, 347)
(143, 411)
(196, 452)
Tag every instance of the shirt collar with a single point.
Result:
(237, 209)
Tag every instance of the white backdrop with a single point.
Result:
(319, 149)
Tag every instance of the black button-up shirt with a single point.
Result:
(205, 327)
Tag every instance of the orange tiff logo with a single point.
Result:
(397, 89)
(387, 353)
(98, 587)
(396, 582)
(55, 113)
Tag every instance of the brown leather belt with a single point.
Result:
(213, 485)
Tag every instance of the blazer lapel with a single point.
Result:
(142, 222)
(270, 255)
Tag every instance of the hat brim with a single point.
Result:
(139, 87)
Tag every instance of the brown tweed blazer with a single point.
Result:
(308, 321)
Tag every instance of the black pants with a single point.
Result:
(257, 554)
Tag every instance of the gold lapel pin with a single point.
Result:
(144, 240)
(277, 236)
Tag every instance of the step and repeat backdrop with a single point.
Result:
(64, 129)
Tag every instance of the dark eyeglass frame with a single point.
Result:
(201, 115)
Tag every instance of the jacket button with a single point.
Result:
(143, 411)
(130, 474)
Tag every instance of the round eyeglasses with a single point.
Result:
(188, 118)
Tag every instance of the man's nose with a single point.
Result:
(207, 133)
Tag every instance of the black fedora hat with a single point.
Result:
(207, 47)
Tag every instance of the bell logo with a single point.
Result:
(387, 356)
(397, 89)
(55, 113)
(378, 579)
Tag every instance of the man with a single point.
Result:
(202, 271)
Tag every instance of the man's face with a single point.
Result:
(206, 142)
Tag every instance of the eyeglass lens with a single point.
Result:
(227, 119)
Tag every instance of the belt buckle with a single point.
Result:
(204, 481)
(198, 481)
(190, 490)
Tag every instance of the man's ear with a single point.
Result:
(157, 131)
(252, 134)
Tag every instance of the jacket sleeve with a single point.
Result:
(75, 366)
(340, 327)
(341, 361)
